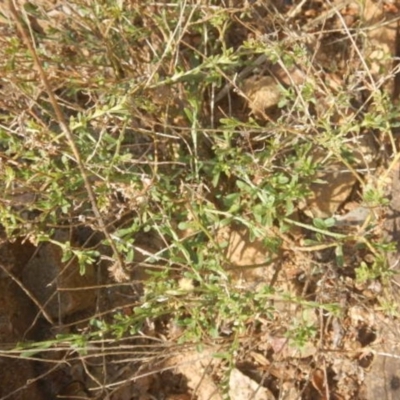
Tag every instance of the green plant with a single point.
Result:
(129, 119)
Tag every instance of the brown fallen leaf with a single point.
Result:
(318, 381)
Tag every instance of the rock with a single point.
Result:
(17, 313)
(194, 368)
(248, 261)
(14, 256)
(382, 381)
(327, 197)
(17, 380)
(47, 277)
(337, 181)
(242, 387)
(381, 41)
(262, 93)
